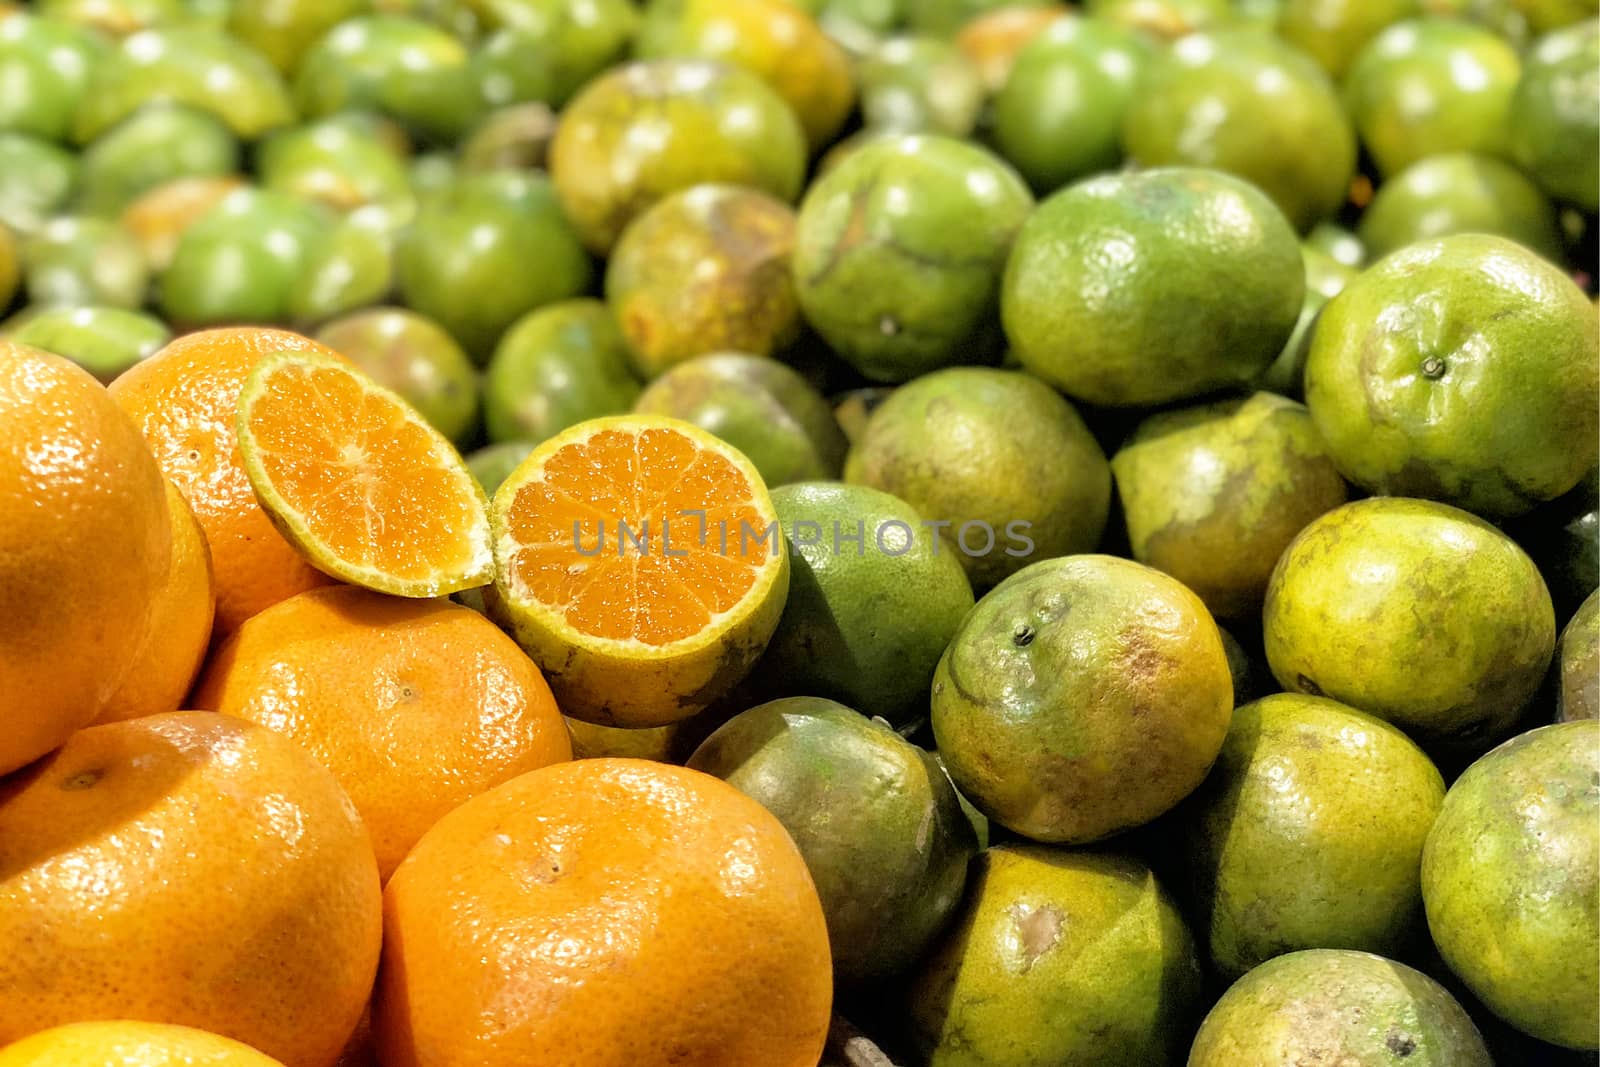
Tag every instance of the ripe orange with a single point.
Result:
(358, 480)
(639, 561)
(604, 913)
(125, 1044)
(414, 705)
(184, 399)
(84, 544)
(187, 868)
(180, 626)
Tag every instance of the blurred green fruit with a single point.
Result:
(1244, 102)
(1059, 116)
(1555, 127)
(36, 180)
(404, 67)
(342, 161)
(154, 145)
(919, 85)
(467, 260)
(45, 68)
(351, 267)
(283, 30)
(557, 367)
(105, 341)
(1428, 86)
(645, 130)
(205, 69)
(81, 261)
(242, 259)
(1460, 193)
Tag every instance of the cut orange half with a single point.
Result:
(359, 482)
(639, 562)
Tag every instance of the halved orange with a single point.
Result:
(359, 482)
(639, 562)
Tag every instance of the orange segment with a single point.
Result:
(638, 563)
(359, 482)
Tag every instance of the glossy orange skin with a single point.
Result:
(180, 626)
(414, 705)
(125, 1044)
(183, 399)
(187, 868)
(604, 913)
(84, 547)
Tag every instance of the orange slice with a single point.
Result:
(639, 562)
(359, 482)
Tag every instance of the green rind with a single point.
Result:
(1337, 1007)
(1510, 875)
(1308, 833)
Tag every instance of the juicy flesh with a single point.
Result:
(573, 557)
(363, 474)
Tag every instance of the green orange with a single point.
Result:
(773, 38)
(1003, 467)
(1058, 957)
(556, 367)
(874, 816)
(1460, 192)
(1555, 134)
(195, 65)
(1415, 612)
(647, 129)
(1212, 495)
(705, 270)
(874, 598)
(1081, 697)
(1462, 369)
(1333, 31)
(1187, 281)
(1578, 680)
(1059, 115)
(1509, 877)
(1245, 102)
(900, 250)
(1431, 85)
(465, 261)
(919, 85)
(1308, 833)
(1354, 1006)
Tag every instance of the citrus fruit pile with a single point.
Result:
(799, 533)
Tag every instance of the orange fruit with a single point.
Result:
(180, 625)
(184, 399)
(638, 560)
(84, 544)
(415, 706)
(359, 481)
(187, 868)
(127, 1044)
(604, 913)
